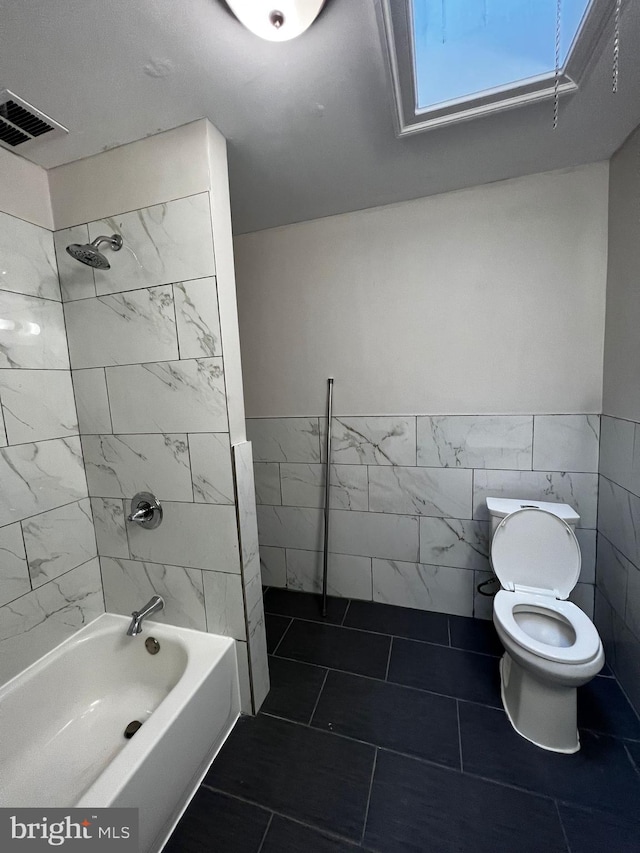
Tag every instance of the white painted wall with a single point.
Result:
(622, 338)
(24, 190)
(487, 300)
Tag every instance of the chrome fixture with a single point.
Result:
(327, 493)
(138, 616)
(87, 253)
(276, 20)
(146, 511)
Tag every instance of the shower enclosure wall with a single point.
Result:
(154, 355)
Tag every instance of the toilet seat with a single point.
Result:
(587, 640)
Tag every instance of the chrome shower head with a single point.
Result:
(87, 253)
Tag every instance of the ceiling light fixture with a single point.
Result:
(276, 20)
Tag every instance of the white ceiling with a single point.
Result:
(309, 122)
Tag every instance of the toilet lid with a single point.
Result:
(536, 550)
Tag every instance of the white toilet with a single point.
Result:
(551, 646)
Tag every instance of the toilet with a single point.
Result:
(551, 646)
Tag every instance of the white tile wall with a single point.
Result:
(37, 405)
(422, 537)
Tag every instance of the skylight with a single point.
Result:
(451, 60)
(463, 47)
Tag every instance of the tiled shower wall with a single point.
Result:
(49, 573)
(618, 572)
(149, 377)
(409, 525)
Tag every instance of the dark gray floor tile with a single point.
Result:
(603, 707)
(286, 836)
(592, 832)
(301, 772)
(275, 627)
(634, 751)
(217, 822)
(337, 648)
(399, 621)
(452, 672)
(474, 635)
(416, 807)
(295, 688)
(391, 716)
(599, 775)
(304, 605)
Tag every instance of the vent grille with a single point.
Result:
(11, 135)
(21, 123)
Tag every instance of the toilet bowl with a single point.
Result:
(551, 646)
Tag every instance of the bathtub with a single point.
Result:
(62, 722)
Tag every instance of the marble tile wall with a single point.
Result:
(50, 583)
(618, 558)
(149, 378)
(408, 519)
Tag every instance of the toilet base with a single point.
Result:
(544, 713)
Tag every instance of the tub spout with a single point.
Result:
(138, 616)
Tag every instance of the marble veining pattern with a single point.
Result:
(28, 263)
(36, 622)
(3, 434)
(267, 479)
(197, 317)
(14, 574)
(420, 491)
(566, 442)
(37, 405)
(129, 583)
(348, 576)
(92, 403)
(303, 485)
(613, 573)
(40, 476)
(76, 279)
(210, 456)
(109, 522)
(439, 588)
(59, 540)
(475, 441)
(32, 334)
(455, 542)
(199, 536)
(619, 518)
(125, 328)
(617, 450)
(162, 244)
(273, 566)
(578, 490)
(175, 396)
(119, 466)
(374, 441)
(290, 527)
(369, 534)
(284, 439)
(224, 604)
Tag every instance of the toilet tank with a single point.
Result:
(501, 507)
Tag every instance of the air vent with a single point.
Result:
(20, 123)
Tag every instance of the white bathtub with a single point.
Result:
(62, 722)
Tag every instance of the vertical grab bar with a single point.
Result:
(327, 490)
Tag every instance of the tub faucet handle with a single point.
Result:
(146, 511)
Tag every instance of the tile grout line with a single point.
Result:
(284, 633)
(366, 813)
(562, 827)
(459, 735)
(386, 672)
(346, 611)
(266, 832)
(317, 702)
(383, 634)
(321, 830)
